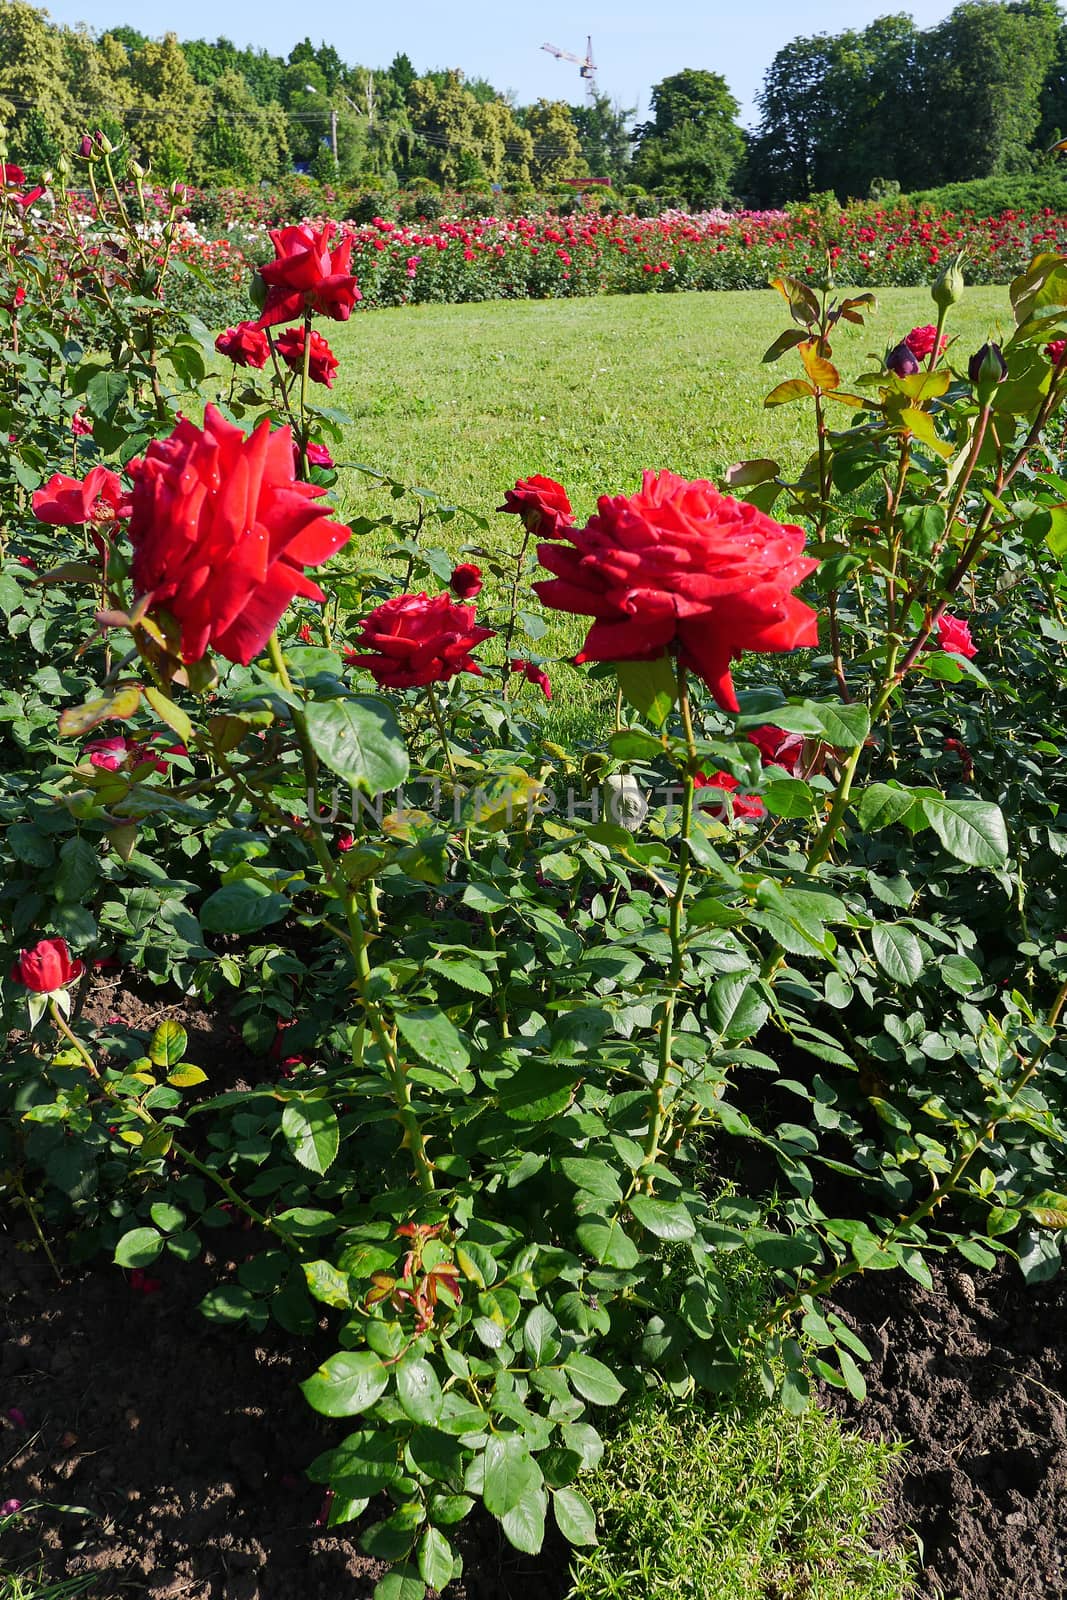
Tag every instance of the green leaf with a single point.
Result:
(242, 907)
(593, 1380)
(78, 870)
(434, 1039)
(166, 1217)
(168, 1044)
(883, 804)
(897, 952)
(419, 1391)
(536, 1092)
(667, 1219)
(524, 1524)
(608, 1243)
(574, 1516)
(960, 974)
(464, 973)
(104, 391)
(736, 1008)
(312, 1133)
(540, 1336)
(360, 741)
(510, 1473)
(796, 1393)
(325, 1283)
(346, 1384)
(649, 686)
(435, 1559)
(971, 830)
(403, 1583)
(138, 1247)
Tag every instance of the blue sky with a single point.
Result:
(635, 42)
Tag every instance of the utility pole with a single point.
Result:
(333, 134)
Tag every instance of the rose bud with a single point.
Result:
(986, 368)
(466, 580)
(901, 361)
(47, 967)
(948, 288)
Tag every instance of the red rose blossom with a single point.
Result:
(222, 532)
(466, 580)
(70, 502)
(680, 563)
(414, 640)
(534, 674)
(113, 755)
(322, 365)
(920, 341)
(954, 636)
(10, 179)
(542, 504)
(738, 805)
(47, 967)
(246, 345)
(80, 426)
(1056, 350)
(778, 748)
(318, 455)
(307, 275)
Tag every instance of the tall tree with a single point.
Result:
(36, 105)
(167, 109)
(238, 136)
(557, 149)
(604, 134)
(692, 145)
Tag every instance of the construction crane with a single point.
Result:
(585, 64)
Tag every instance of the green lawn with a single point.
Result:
(465, 399)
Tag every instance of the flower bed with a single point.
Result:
(585, 1070)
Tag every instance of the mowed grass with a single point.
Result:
(465, 399)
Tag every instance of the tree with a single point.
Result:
(167, 109)
(984, 69)
(402, 72)
(36, 105)
(604, 136)
(238, 137)
(692, 145)
(557, 149)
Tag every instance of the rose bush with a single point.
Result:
(516, 1007)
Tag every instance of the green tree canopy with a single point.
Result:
(692, 146)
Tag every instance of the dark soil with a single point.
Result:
(186, 1445)
(974, 1375)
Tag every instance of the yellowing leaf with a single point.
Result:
(823, 373)
(120, 704)
(171, 714)
(184, 1076)
(792, 389)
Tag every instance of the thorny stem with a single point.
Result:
(658, 1108)
(304, 379)
(359, 940)
(513, 606)
(435, 712)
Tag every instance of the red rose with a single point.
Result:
(738, 805)
(957, 747)
(534, 674)
(112, 755)
(246, 345)
(17, 299)
(80, 426)
(466, 580)
(920, 341)
(323, 362)
(70, 502)
(680, 563)
(308, 276)
(318, 455)
(414, 640)
(47, 967)
(10, 178)
(222, 531)
(1056, 350)
(778, 748)
(542, 504)
(954, 636)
